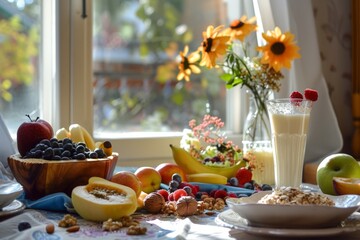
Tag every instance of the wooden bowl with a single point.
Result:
(41, 177)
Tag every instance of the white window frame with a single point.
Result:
(74, 97)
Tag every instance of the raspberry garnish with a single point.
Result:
(311, 94)
(296, 94)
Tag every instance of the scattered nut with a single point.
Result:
(154, 202)
(50, 228)
(67, 221)
(186, 206)
(72, 229)
(136, 230)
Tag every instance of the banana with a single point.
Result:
(212, 178)
(62, 133)
(191, 165)
(76, 133)
(90, 143)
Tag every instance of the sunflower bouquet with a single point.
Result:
(260, 74)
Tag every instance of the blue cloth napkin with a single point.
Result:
(53, 202)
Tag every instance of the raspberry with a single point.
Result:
(220, 194)
(194, 188)
(171, 197)
(164, 193)
(243, 175)
(179, 193)
(311, 94)
(296, 94)
(231, 194)
(212, 193)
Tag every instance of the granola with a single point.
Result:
(294, 196)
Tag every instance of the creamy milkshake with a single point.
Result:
(289, 126)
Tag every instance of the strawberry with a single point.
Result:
(243, 176)
(311, 94)
(220, 194)
(179, 193)
(164, 193)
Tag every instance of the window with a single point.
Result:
(103, 70)
(20, 39)
(136, 94)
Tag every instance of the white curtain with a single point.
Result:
(296, 16)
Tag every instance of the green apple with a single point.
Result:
(336, 165)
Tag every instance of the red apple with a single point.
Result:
(166, 171)
(31, 133)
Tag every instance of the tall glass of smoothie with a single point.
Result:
(289, 120)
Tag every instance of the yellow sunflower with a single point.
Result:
(188, 64)
(280, 49)
(213, 46)
(240, 28)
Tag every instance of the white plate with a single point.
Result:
(13, 208)
(293, 216)
(9, 191)
(229, 218)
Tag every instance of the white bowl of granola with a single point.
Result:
(293, 208)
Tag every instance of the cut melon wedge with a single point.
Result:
(346, 185)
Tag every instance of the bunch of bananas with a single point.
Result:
(78, 133)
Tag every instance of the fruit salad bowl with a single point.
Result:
(191, 165)
(41, 177)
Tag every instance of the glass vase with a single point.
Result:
(257, 145)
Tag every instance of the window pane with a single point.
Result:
(135, 45)
(19, 58)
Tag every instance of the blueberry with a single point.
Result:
(66, 141)
(46, 142)
(234, 181)
(266, 187)
(23, 226)
(80, 156)
(80, 149)
(93, 155)
(68, 146)
(66, 153)
(173, 184)
(48, 153)
(249, 185)
(100, 152)
(187, 189)
(176, 177)
(54, 144)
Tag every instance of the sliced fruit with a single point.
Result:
(102, 199)
(346, 185)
